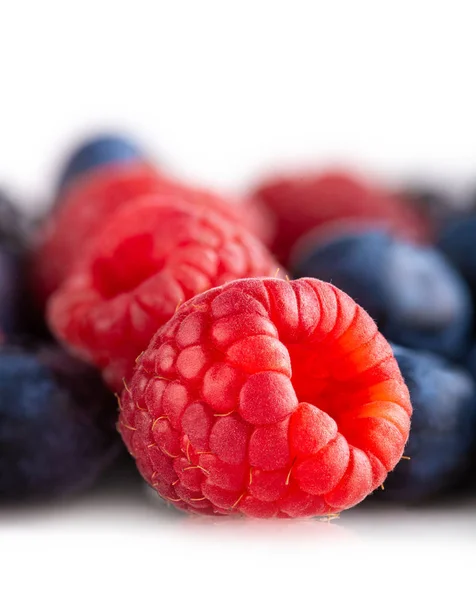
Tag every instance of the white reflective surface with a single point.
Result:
(121, 541)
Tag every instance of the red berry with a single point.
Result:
(292, 403)
(303, 202)
(91, 202)
(145, 261)
(84, 208)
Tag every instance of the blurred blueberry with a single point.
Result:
(98, 152)
(57, 424)
(14, 230)
(443, 430)
(457, 240)
(415, 296)
(14, 225)
(11, 283)
(470, 362)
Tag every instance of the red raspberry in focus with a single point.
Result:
(144, 262)
(300, 203)
(267, 398)
(89, 202)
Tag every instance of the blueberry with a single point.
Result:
(443, 430)
(10, 292)
(14, 226)
(98, 152)
(457, 240)
(470, 362)
(57, 424)
(14, 230)
(415, 296)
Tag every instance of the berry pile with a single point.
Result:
(239, 390)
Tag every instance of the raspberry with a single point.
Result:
(79, 214)
(267, 398)
(148, 259)
(92, 200)
(301, 203)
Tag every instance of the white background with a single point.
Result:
(220, 92)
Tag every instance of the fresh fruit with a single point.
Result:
(148, 259)
(268, 398)
(117, 151)
(99, 152)
(414, 294)
(84, 208)
(57, 430)
(88, 204)
(301, 202)
(443, 429)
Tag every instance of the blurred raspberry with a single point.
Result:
(91, 201)
(302, 202)
(146, 260)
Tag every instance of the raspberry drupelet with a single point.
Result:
(269, 398)
(149, 258)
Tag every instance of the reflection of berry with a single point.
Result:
(301, 203)
(57, 424)
(268, 398)
(413, 293)
(88, 204)
(443, 426)
(148, 259)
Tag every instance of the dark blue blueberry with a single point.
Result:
(470, 362)
(14, 226)
(57, 424)
(11, 288)
(98, 152)
(443, 429)
(457, 240)
(13, 249)
(415, 296)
